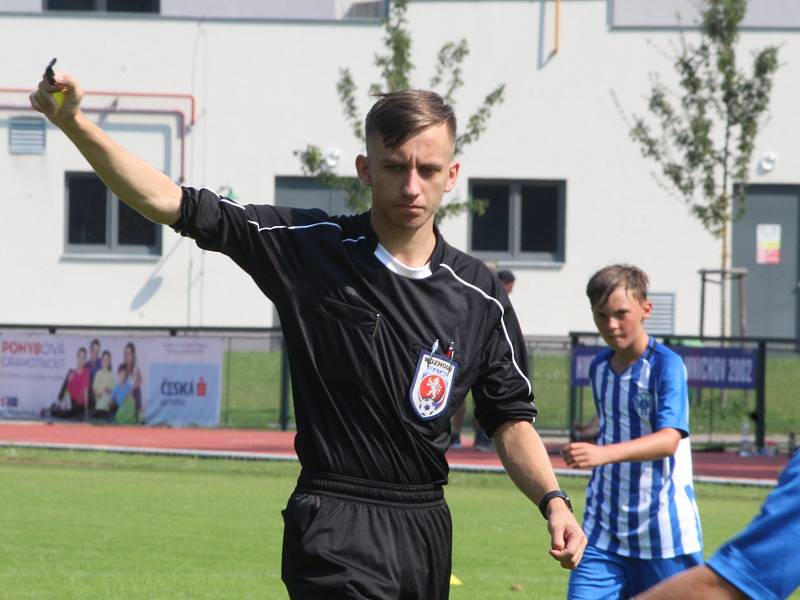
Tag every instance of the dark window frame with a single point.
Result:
(311, 194)
(513, 252)
(112, 247)
(153, 8)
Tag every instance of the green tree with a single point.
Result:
(704, 134)
(395, 68)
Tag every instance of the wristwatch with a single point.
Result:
(549, 496)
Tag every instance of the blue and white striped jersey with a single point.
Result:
(643, 509)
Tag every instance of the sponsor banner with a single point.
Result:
(582, 357)
(724, 368)
(184, 394)
(721, 368)
(132, 379)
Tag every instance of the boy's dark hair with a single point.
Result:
(95, 342)
(122, 367)
(397, 116)
(606, 280)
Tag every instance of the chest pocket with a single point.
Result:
(349, 315)
(345, 343)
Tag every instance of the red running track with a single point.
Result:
(279, 444)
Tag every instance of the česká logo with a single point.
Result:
(643, 403)
(432, 384)
(184, 388)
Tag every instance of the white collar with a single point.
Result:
(394, 265)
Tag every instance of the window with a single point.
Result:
(524, 221)
(26, 135)
(678, 14)
(131, 6)
(98, 223)
(307, 192)
(367, 10)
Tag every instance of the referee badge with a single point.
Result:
(432, 384)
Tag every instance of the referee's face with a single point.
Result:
(408, 181)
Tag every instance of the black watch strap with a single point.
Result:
(549, 496)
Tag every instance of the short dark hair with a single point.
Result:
(506, 276)
(397, 116)
(606, 280)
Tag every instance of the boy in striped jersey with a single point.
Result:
(641, 517)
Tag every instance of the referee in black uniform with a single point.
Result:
(387, 328)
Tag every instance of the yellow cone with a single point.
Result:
(454, 580)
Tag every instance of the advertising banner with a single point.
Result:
(725, 368)
(582, 357)
(133, 379)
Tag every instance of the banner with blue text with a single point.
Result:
(722, 368)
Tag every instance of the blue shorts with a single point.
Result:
(603, 575)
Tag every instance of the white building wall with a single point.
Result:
(265, 89)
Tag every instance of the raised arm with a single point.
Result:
(527, 463)
(139, 185)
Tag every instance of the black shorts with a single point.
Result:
(350, 538)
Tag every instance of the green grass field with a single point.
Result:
(94, 525)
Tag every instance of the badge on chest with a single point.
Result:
(432, 384)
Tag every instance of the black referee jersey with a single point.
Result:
(371, 399)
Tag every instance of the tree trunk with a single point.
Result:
(723, 285)
(723, 293)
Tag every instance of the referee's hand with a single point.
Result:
(43, 100)
(567, 538)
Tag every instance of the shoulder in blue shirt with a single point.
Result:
(758, 560)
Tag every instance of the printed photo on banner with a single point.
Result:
(110, 379)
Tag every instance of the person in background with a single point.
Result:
(74, 395)
(507, 279)
(482, 442)
(123, 405)
(134, 379)
(586, 432)
(93, 364)
(641, 517)
(102, 386)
